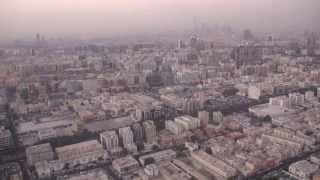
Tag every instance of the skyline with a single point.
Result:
(98, 18)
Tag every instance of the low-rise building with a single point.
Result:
(280, 101)
(216, 166)
(96, 174)
(38, 153)
(170, 171)
(46, 169)
(11, 171)
(303, 169)
(158, 156)
(151, 170)
(125, 165)
(283, 141)
(31, 132)
(190, 170)
(82, 153)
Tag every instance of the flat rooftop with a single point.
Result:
(267, 109)
(110, 124)
(28, 127)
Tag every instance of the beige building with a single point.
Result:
(216, 166)
(188, 122)
(174, 127)
(82, 153)
(31, 132)
(254, 92)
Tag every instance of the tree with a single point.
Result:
(155, 148)
(267, 119)
(66, 166)
(208, 150)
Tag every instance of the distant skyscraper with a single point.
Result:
(181, 44)
(247, 54)
(33, 52)
(193, 42)
(295, 48)
(311, 44)
(247, 35)
(38, 37)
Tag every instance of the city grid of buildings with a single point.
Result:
(228, 107)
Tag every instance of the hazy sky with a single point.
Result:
(97, 18)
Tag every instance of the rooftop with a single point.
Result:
(39, 148)
(87, 145)
(97, 174)
(105, 125)
(125, 161)
(266, 109)
(27, 127)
